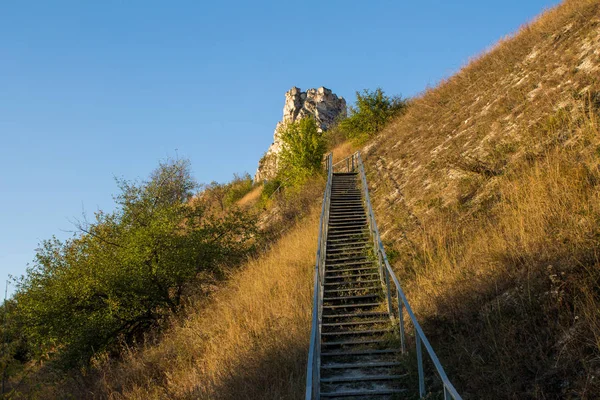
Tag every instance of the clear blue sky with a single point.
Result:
(96, 89)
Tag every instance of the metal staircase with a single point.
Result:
(358, 337)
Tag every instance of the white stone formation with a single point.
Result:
(320, 103)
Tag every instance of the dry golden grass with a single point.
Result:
(249, 341)
(488, 191)
(343, 150)
(251, 198)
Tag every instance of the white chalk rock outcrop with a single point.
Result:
(320, 103)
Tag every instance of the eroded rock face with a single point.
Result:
(320, 103)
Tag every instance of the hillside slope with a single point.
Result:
(487, 193)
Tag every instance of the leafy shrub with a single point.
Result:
(270, 187)
(128, 268)
(372, 111)
(303, 148)
(238, 188)
(221, 196)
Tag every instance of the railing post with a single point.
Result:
(387, 289)
(401, 320)
(420, 365)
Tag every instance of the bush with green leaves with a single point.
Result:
(223, 196)
(302, 150)
(373, 110)
(238, 188)
(129, 268)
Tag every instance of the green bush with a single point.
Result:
(372, 111)
(238, 188)
(302, 151)
(128, 269)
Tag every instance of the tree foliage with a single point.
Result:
(372, 111)
(223, 196)
(128, 268)
(303, 148)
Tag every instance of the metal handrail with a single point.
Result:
(351, 164)
(402, 303)
(313, 372)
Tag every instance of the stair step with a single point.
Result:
(356, 315)
(351, 289)
(343, 218)
(362, 365)
(359, 353)
(373, 321)
(358, 297)
(362, 393)
(346, 228)
(358, 257)
(332, 264)
(348, 222)
(352, 283)
(359, 305)
(351, 238)
(354, 342)
(364, 247)
(349, 250)
(340, 234)
(352, 275)
(361, 378)
(358, 332)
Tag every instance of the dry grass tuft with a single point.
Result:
(251, 198)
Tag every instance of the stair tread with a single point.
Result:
(349, 238)
(349, 283)
(357, 258)
(354, 342)
(362, 365)
(352, 393)
(347, 262)
(352, 275)
(362, 296)
(350, 289)
(374, 321)
(352, 305)
(355, 315)
(361, 378)
(357, 332)
(359, 352)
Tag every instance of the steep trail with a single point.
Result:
(359, 339)
(357, 358)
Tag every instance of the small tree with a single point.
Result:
(372, 111)
(303, 147)
(127, 269)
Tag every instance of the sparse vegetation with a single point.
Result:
(373, 110)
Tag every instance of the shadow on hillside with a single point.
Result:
(519, 334)
(278, 373)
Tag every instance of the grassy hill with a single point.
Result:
(487, 190)
(487, 194)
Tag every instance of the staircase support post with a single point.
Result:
(401, 320)
(420, 365)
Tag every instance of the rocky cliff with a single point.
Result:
(321, 103)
